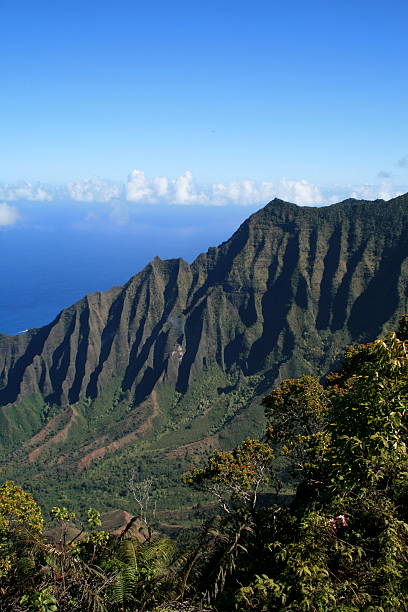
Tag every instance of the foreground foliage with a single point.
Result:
(341, 544)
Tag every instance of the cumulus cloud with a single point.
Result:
(160, 189)
(384, 191)
(24, 190)
(93, 190)
(403, 162)
(87, 190)
(185, 190)
(300, 192)
(9, 215)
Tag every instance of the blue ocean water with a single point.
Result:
(58, 252)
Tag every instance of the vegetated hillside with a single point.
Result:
(341, 544)
(152, 375)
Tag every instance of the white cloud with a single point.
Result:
(384, 191)
(242, 192)
(93, 190)
(87, 190)
(24, 190)
(140, 189)
(158, 190)
(9, 215)
(185, 190)
(300, 192)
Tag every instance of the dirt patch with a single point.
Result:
(60, 436)
(100, 452)
(87, 448)
(194, 448)
(56, 422)
(169, 526)
(115, 520)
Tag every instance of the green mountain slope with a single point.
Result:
(152, 375)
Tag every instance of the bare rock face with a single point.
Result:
(283, 297)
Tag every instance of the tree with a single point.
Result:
(234, 477)
(343, 542)
(350, 545)
(20, 521)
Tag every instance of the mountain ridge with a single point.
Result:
(282, 297)
(168, 276)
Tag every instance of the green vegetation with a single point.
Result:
(343, 542)
(203, 417)
(158, 374)
(340, 544)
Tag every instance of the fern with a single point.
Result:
(124, 587)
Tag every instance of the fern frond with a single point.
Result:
(124, 586)
(128, 554)
(159, 550)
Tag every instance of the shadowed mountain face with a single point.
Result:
(281, 298)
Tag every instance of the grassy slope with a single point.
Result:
(218, 411)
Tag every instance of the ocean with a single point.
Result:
(59, 251)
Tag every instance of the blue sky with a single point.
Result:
(112, 112)
(227, 91)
